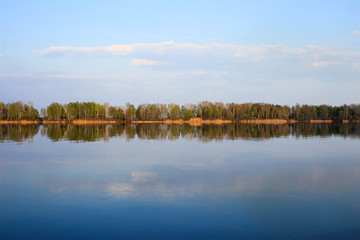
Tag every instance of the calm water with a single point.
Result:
(180, 182)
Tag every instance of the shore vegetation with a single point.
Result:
(203, 112)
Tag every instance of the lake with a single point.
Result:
(292, 181)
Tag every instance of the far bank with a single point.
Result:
(191, 121)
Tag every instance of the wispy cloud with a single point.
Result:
(115, 50)
(168, 47)
(63, 76)
(324, 63)
(59, 51)
(187, 53)
(356, 33)
(57, 76)
(214, 71)
(146, 62)
(17, 75)
(196, 73)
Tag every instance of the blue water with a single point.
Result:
(277, 188)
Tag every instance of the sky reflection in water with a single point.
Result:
(285, 187)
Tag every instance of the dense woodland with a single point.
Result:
(18, 111)
(204, 110)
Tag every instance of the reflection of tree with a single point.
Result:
(116, 130)
(188, 132)
(130, 132)
(325, 130)
(205, 133)
(55, 132)
(85, 133)
(18, 133)
(174, 132)
(244, 131)
(149, 131)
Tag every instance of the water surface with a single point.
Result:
(180, 182)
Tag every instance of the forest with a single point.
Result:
(156, 112)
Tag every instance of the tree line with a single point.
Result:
(156, 112)
(18, 111)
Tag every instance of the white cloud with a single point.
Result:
(115, 50)
(191, 72)
(356, 33)
(17, 75)
(81, 51)
(196, 73)
(188, 53)
(57, 76)
(324, 63)
(62, 76)
(137, 62)
(168, 47)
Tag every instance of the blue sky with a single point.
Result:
(282, 52)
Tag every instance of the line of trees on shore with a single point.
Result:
(156, 112)
(18, 111)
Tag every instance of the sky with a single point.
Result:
(280, 52)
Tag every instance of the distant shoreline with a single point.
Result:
(192, 121)
(203, 113)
